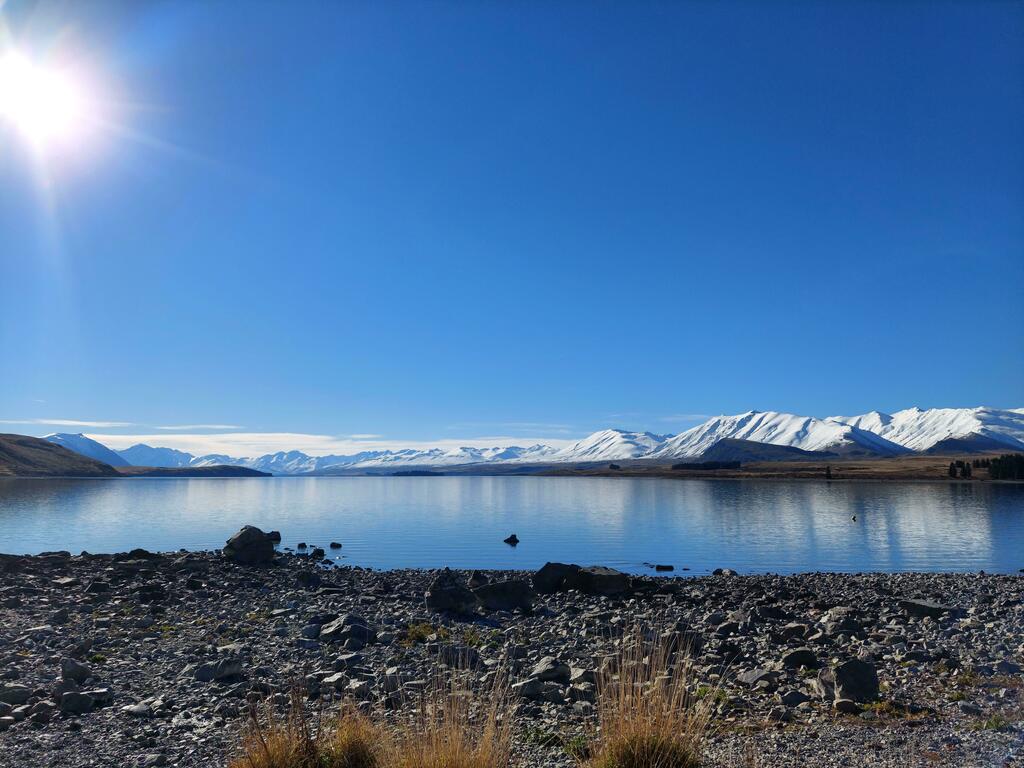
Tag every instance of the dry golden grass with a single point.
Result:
(349, 740)
(648, 716)
(448, 727)
(453, 729)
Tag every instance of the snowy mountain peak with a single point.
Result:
(142, 455)
(980, 428)
(805, 432)
(86, 446)
(869, 434)
(611, 444)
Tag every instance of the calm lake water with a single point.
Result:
(392, 522)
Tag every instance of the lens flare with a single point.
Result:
(47, 105)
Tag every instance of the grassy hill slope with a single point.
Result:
(23, 456)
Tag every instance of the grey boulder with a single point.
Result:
(800, 657)
(75, 703)
(856, 680)
(218, 670)
(591, 580)
(506, 595)
(551, 669)
(348, 628)
(446, 595)
(551, 578)
(74, 670)
(250, 546)
(598, 580)
(14, 694)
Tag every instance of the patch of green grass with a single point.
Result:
(415, 634)
(994, 722)
(718, 696)
(541, 737)
(968, 678)
(97, 658)
(575, 746)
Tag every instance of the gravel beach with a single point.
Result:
(143, 659)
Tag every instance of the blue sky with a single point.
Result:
(444, 221)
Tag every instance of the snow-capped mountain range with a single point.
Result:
(871, 434)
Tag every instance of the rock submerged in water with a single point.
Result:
(250, 546)
(512, 540)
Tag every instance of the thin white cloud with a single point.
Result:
(249, 444)
(70, 423)
(185, 427)
(685, 417)
(539, 426)
(366, 437)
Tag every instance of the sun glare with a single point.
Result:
(47, 105)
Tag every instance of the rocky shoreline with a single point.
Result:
(142, 659)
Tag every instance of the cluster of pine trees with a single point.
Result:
(960, 468)
(1009, 466)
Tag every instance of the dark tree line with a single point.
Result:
(707, 465)
(1009, 466)
(960, 468)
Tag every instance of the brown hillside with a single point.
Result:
(23, 456)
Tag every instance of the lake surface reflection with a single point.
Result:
(392, 522)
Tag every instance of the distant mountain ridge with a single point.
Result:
(873, 434)
(85, 446)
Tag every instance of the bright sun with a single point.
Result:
(46, 104)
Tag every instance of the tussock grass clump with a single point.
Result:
(448, 727)
(452, 728)
(648, 716)
(349, 740)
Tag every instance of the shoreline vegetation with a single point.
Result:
(152, 659)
